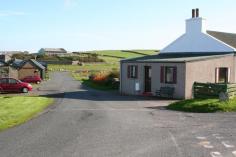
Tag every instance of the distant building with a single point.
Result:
(52, 51)
(5, 57)
(13, 52)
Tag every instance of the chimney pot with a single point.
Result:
(197, 12)
(193, 13)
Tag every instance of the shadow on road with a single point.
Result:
(100, 96)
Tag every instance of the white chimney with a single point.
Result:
(196, 24)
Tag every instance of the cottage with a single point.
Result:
(52, 51)
(7, 70)
(198, 55)
(29, 68)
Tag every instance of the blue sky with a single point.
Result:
(79, 25)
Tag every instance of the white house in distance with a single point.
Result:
(199, 55)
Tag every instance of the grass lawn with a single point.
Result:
(17, 110)
(204, 105)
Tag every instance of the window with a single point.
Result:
(168, 75)
(222, 75)
(12, 81)
(132, 71)
(3, 81)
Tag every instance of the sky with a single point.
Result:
(80, 25)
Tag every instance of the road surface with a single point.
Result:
(89, 123)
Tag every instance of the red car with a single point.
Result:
(13, 85)
(32, 79)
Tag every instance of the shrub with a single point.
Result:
(106, 79)
(100, 78)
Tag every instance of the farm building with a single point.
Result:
(52, 51)
(199, 55)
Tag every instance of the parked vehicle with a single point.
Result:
(13, 85)
(32, 79)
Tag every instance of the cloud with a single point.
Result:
(11, 13)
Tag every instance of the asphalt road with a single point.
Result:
(88, 123)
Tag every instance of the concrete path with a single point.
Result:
(89, 123)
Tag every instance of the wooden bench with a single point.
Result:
(167, 92)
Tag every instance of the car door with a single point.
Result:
(4, 84)
(13, 85)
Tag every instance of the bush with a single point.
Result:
(100, 78)
(106, 79)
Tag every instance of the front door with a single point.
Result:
(148, 78)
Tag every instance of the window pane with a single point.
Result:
(223, 75)
(133, 71)
(12, 81)
(169, 75)
(150, 73)
(3, 81)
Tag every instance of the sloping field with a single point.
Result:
(121, 54)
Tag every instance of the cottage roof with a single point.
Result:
(20, 63)
(37, 64)
(228, 38)
(17, 63)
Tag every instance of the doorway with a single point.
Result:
(148, 78)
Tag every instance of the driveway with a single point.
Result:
(90, 123)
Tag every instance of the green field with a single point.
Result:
(124, 54)
(111, 58)
(17, 110)
(86, 67)
(204, 105)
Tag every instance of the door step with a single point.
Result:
(147, 94)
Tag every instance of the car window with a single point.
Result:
(12, 81)
(3, 81)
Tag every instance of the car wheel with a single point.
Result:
(25, 90)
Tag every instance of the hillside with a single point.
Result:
(112, 56)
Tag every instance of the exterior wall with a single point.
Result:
(5, 57)
(4, 71)
(7, 71)
(205, 71)
(13, 73)
(28, 70)
(128, 85)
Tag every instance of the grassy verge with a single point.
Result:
(204, 105)
(17, 110)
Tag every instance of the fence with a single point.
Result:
(212, 90)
